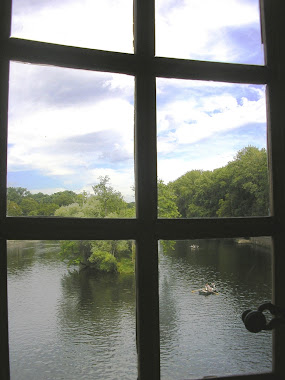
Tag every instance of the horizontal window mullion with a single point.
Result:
(210, 71)
(67, 56)
(21, 228)
(98, 60)
(179, 229)
(73, 228)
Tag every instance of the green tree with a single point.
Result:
(185, 189)
(167, 208)
(16, 194)
(167, 198)
(111, 201)
(111, 255)
(29, 206)
(13, 209)
(41, 198)
(104, 256)
(64, 198)
(247, 193)
(71, 211)
(82, 198)
(238, 189)
(45, 209)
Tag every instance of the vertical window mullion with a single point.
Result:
(5, 21)
(273, 32)
(4, 346)
(146, 195)
(5, 26)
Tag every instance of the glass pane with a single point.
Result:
(105, 25)
(212, 158)
(66, 322)
(203, 334)
(209, 30)
(70, 142)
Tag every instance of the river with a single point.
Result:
(65, 324)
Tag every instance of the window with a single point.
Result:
(146, 229)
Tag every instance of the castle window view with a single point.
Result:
(72, 303)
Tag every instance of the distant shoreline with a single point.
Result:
(262, 241)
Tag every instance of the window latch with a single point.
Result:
(255, 321)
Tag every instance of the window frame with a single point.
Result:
(146, 228)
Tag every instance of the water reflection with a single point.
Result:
(206, 334)
(67, 324)
(99, 310)
(23, 255)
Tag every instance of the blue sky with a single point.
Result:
(68, 127)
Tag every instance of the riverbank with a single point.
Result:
(262, 241)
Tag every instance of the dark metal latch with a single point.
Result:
(255, 321)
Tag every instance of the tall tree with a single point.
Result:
(13, 209)
(111, 201)
(247, 193)
(16, 194)
(108, 255)
(167, 198)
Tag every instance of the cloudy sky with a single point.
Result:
(68, 127)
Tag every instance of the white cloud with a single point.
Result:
(64, 123)
(198, 29)
(203, 125)
(35, 137)
(106, 25)
(76, 125)
(122, 180)
(172, 168)
(189, 117)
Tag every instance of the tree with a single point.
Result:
(46, 209)
(16, 194)
(167, 208)
(248, 187)
(82, 198)
(238, 189)
(13, 209)
(185, 189)
(111, 201)
(63, 198)
(107, 255)
(42, 198)
(29, 206)
(71, 211)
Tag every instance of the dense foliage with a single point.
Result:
(238, 189)
(21, 202)
(107, 255)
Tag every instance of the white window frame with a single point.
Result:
(146, 228)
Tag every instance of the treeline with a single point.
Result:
(238, 189)
(241, 188)
(21, 202)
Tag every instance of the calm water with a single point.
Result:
(69, 325)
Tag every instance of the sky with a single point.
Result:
(68, 127)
